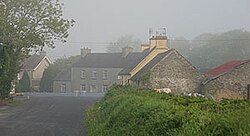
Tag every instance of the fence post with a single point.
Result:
(248, 91)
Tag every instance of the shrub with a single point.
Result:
(133, 111)
(24, 83)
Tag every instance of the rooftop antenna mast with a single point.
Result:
(158, 31)
(150, 32)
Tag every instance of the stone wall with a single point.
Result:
(176, 73)
(232, 85)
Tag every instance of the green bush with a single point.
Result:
(133, 111)
(24, 83)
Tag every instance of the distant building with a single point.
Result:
(62, 82)
(230, 80)
(95, 72)
(35, 66)
(155, 67)
(163, 68)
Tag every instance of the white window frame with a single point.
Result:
(104, 88)
(63, 88)
(105, 74)
(94, 74)
(93, 88)
(83, 74)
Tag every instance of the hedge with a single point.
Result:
(130, 111)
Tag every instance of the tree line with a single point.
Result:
(210, 50)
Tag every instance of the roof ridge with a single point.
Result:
(224, 73)
(231, 65)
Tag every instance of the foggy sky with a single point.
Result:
(106, 20)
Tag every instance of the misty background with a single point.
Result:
(100, 22)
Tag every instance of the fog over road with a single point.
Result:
(47, 115)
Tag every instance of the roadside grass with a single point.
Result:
(136, 112)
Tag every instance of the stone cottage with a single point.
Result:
(35, 66)
(230, 80)
(163, 69)
(169, 70)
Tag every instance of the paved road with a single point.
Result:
(44, 115)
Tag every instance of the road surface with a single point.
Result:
(45, 115)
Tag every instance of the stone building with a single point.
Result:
(35, 66)
(95, 72)
(62, 82)
(155, 67)
(169, 70)
(230, 80)
(162, 68)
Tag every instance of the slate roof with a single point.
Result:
(108, 60)
(223, 68)
(152, 63)
(31, 62)
(64, 75)
(132, 64)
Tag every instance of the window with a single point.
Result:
(104, 88)
(83, 74)
(63, 88)
(83, 87)
(105, 74)
(93, 88)
(94, 74)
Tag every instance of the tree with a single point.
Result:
(8, 65)
(221, 48)
(24, 83)
(53, 70)
(26, 25)
(124, 41)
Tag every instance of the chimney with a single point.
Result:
(144, 47)
(85, 51)
(126, 51)
(158, 42)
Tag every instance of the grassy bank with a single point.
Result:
(132, 111)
